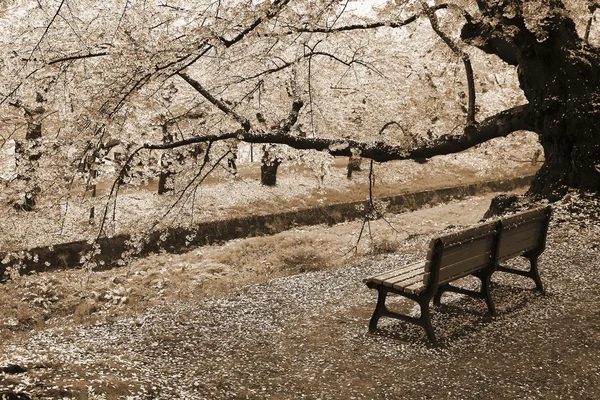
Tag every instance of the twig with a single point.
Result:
(37, 45)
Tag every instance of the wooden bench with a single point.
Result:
(475, 251)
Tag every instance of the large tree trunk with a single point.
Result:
(560, 76)
(561, 79)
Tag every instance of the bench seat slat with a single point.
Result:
(402, 277)
(378, 279)
(410, 276)
(411, 285)
(416, 288)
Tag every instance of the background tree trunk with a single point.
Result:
(165, 163)
(354, 163)
(28, 152)
(269, 165)
(268, 173)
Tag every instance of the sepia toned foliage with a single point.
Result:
(171, 87)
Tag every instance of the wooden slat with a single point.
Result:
(511, 224)
(400, 285)
(518, 243)
(465, 251)
(521, 233)
(390, 282)
(416, 288)
(526, 226)
(535, 214)
(510, 252)
(468, 240)
(464, 267)
(395, 272)
(468, 234)
(510, 238)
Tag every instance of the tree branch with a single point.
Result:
(430, 12)
(499, 125)
(47, 29)
(273, 11)
(498, 30)
(78, 57)
(286, 125)
(218, 103)
(588, 27)
(373, 25)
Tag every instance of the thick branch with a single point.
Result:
(500, 125)
(218, 103)
(366, 26)
(498, 30)
(286, 125)
(273, 11)
(588, 26)
(486, 38)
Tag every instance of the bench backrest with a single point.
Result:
(459, 254)
(523, 232)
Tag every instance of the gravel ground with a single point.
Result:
(304, 336)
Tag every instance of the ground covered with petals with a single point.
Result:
(301, 331)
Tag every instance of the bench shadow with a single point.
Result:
(459, 317)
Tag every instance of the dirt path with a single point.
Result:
(303, 335)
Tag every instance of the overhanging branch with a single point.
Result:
(272, 12)
(366, 26)
(499, 125)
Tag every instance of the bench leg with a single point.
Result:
(535, 275)
(426, 320)
(486, 293)
(533, 272)
(379, 310)
(437, 299)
